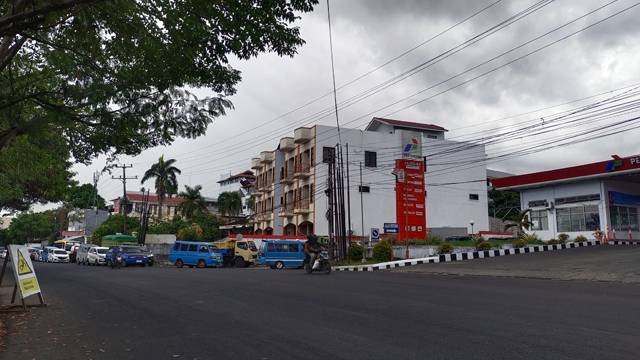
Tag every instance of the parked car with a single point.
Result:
(96, 255)
(58, 256)
(3, 252)
(45, 253)
(280, 254)
(131, 255)
(40, 255)
(193, 253)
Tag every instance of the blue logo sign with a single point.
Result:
(375, 234)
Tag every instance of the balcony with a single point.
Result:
(301, 207)
(302, 171)
(266, 188)
(302, 135)
(267, 157)
(287, 144)
(256, 164)
(287, 178)
(286, 211)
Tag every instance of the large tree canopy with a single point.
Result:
(83, 196)
(113, 76)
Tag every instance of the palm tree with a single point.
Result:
(166, 182)
(520, 221)
(230, 203)
(193, 202)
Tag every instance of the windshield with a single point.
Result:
(60, 252)
(132, 250)
(101, 251)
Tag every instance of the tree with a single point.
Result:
(83, 197)
(33, 169)
(113, 225)
(502, 204)
(192, 201)
(521, 222)
(166, 182)
(112, 77)
(230, 203)
(30, 227)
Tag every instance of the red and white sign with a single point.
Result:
(410, 200)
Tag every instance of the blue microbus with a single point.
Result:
(280, 254)
(194, 253)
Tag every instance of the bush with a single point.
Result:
(580, 238)
(483, 245)
(477, 239)
(530, 239)
(445, 248)
(391, 239)
(563, 238)
(519, 243)
(192, 232)
(355, 252)
(382, 251)
(433, 240)
(553, 242)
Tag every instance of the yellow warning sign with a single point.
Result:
(29, 285)
(23, 266)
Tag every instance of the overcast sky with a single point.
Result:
(367, 33)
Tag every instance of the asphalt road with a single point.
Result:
(168, 313)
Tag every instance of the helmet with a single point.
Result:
(312, 238)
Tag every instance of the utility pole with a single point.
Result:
(364, 259)
(348, 204)
(124, 200)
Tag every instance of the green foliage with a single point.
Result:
(230, 203)
(580, 238)
(445, 248)
(434, 240)
(113, 225)
(82, 197)
(382, 251)
(483, 245)
(519, 243)
(193, 203)
(191, 232)
(166, 179)
(530, 239)
(391, 239)
(112, 76)
(355, 252)
(208, 223)
(520, 222)
(167, 227)
(554, 242)
(33, 169)
(563, 237)
(30, 227)
(501, 201)
(477, 239)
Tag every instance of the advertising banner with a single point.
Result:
(411, 200)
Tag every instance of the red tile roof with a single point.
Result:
(248, 174)
(138, 197)
(409, 124)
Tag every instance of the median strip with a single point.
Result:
(471, 255)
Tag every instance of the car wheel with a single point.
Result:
(239, 262)
(202, 264)
(279, 265)
(179, 263)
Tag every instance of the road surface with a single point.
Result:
(169, 313)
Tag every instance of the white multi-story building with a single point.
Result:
(290, 180)
(241, 183)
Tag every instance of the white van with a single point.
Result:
(96, 255)
(83, 251)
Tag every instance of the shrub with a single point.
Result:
(382, 251)
(563, 238)
(433, 240)
(355, 252)
(417, 242)
(483, 245)
(192, 232)
(445, 248)
(477, 239)
(553, 242)
(580, 238)
(391, 239)
(519, 243)
(530, 239)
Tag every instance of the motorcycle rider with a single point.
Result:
(312, 248)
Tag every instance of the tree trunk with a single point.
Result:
(160, 202)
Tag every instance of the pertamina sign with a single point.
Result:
(23, 271)
(410, 200)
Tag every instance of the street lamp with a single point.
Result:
(471, 223)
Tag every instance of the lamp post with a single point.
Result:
(471, 223)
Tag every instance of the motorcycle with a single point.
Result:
(324, 266)
(118, 263)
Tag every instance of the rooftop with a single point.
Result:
(247, 174)
(374, 123)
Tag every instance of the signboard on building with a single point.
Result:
(390, 228)
(411, 144)
(411, 200)
(23, 270)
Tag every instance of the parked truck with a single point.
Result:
(237, 252)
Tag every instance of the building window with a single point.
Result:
(578, 218)
(328, 154)
(429, 136)
(474, 197)
(370, 159)
(313, 156)
(624, 218)
(364, 189)
(539, 220)
(311, 193)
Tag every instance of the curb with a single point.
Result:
(623, 242)
(472, 255)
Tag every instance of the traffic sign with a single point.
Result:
(26, 280)
(391, 228)
(375, 234)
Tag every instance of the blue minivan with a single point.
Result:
(194, 253)
(280, 254)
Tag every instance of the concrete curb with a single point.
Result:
(467, 256)
(623, 242)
